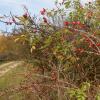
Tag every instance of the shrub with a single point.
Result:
(64, 51)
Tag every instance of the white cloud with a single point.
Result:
(12, 1)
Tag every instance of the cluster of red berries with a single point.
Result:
(66, 23)
(43, 11)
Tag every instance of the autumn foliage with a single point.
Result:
(64, 50)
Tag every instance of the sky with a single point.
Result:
(16, 7)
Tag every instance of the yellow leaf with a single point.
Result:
(16, 39)
(33, 48)
(22, 35)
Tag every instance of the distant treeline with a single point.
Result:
(11, 50)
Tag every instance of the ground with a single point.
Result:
(10, 76)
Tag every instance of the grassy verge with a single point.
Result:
(1, 62)
(12, 79)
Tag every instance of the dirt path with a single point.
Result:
(4, 68)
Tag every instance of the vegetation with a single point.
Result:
(63, 52)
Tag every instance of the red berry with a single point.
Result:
(45, 20)
(35, 30)
(89, 2)
(98, 44)
(91, 45)
(10, 23)
(74, 23)
(78, 22)
(13, 20)
(66, 23)
(43, 11)
(25, 15)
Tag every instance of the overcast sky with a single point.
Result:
(16, 6)
(34, 5)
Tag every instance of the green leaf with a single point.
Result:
(81, 98)
(71, 92)
(67, 4)
(47, 42)
(98, 96)
(85, 86)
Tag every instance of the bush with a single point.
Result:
(64, 50)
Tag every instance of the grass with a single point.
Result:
(12, 79)
(1, 62)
